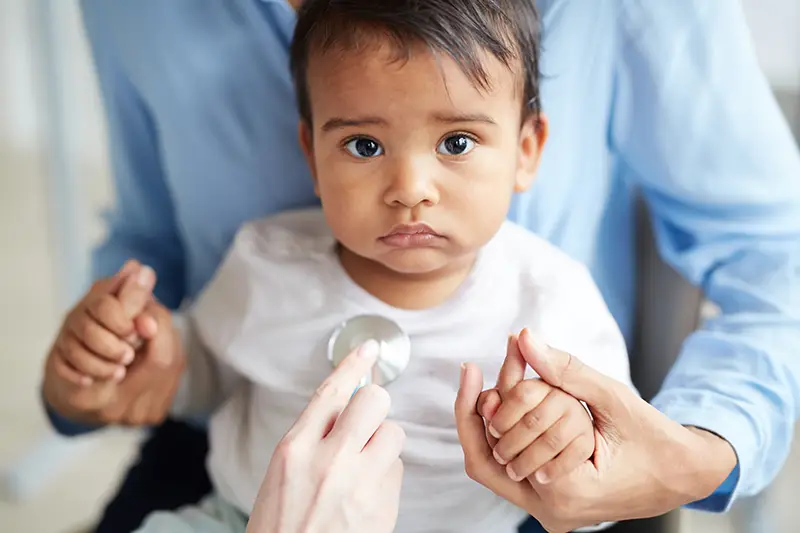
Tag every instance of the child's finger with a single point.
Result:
(531, 426)
(478, 460)
(112, 284)
(99, 340)
(137, 291)
(488, 403)
(517, 403)
(68, 373)
(108, 311)
(513, 370)
(574, 455)
(551, 443)
(88, 363)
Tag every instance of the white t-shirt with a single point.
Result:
(257, 336)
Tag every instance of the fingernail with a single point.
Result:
(119, 373)
(370, 349)
(127, 356)
(542, 477)
(498, 458)
(494, 432)
(513, 475)
(146, 278)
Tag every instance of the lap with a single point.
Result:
(169, 474)
(213, 515)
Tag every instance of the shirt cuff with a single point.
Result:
(65, 426)
(726, 419)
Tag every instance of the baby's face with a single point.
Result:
(415, 165)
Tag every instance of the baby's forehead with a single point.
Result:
(367, 62)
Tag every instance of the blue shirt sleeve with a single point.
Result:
(141, 225)
(700, 133)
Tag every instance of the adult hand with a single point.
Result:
(124, 310)
(644, 464)
(338, 469)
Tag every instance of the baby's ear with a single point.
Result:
(306, 138)
(532, 138)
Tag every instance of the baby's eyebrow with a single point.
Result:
(338, 123)
(452, 118)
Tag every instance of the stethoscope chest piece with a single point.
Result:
(395, 346)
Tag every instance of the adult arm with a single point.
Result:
(141, 224)
(700, 132)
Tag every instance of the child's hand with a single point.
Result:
(117, 358)
(535, 429)
(98, 339)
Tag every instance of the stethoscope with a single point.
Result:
(395, 346)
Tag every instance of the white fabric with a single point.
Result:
(257, 341)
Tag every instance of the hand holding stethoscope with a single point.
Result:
(338, 468)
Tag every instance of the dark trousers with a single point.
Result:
(171, 472)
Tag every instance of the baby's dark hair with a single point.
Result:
(461, 29)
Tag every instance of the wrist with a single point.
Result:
(711, 461)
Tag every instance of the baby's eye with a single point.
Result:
(364, 147)
(459, 144)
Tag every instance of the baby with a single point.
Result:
(420, 119)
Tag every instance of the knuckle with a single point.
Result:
(522, 393)
(328, 389)
(530, 392)
(532, 420)
(554, 440)
(84, 327)
(68, 347)
(105, 307)
(289, 450)
(572, 367)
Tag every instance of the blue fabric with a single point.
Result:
(665, 98)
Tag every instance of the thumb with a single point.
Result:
(469, 422)
(568, 373)
(136, 291)
(480, 464)
(163, 345)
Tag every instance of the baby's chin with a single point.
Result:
(425, 263)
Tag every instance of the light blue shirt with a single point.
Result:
(665, 98)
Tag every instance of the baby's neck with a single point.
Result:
(405, 291)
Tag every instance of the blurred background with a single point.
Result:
(54, 182)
